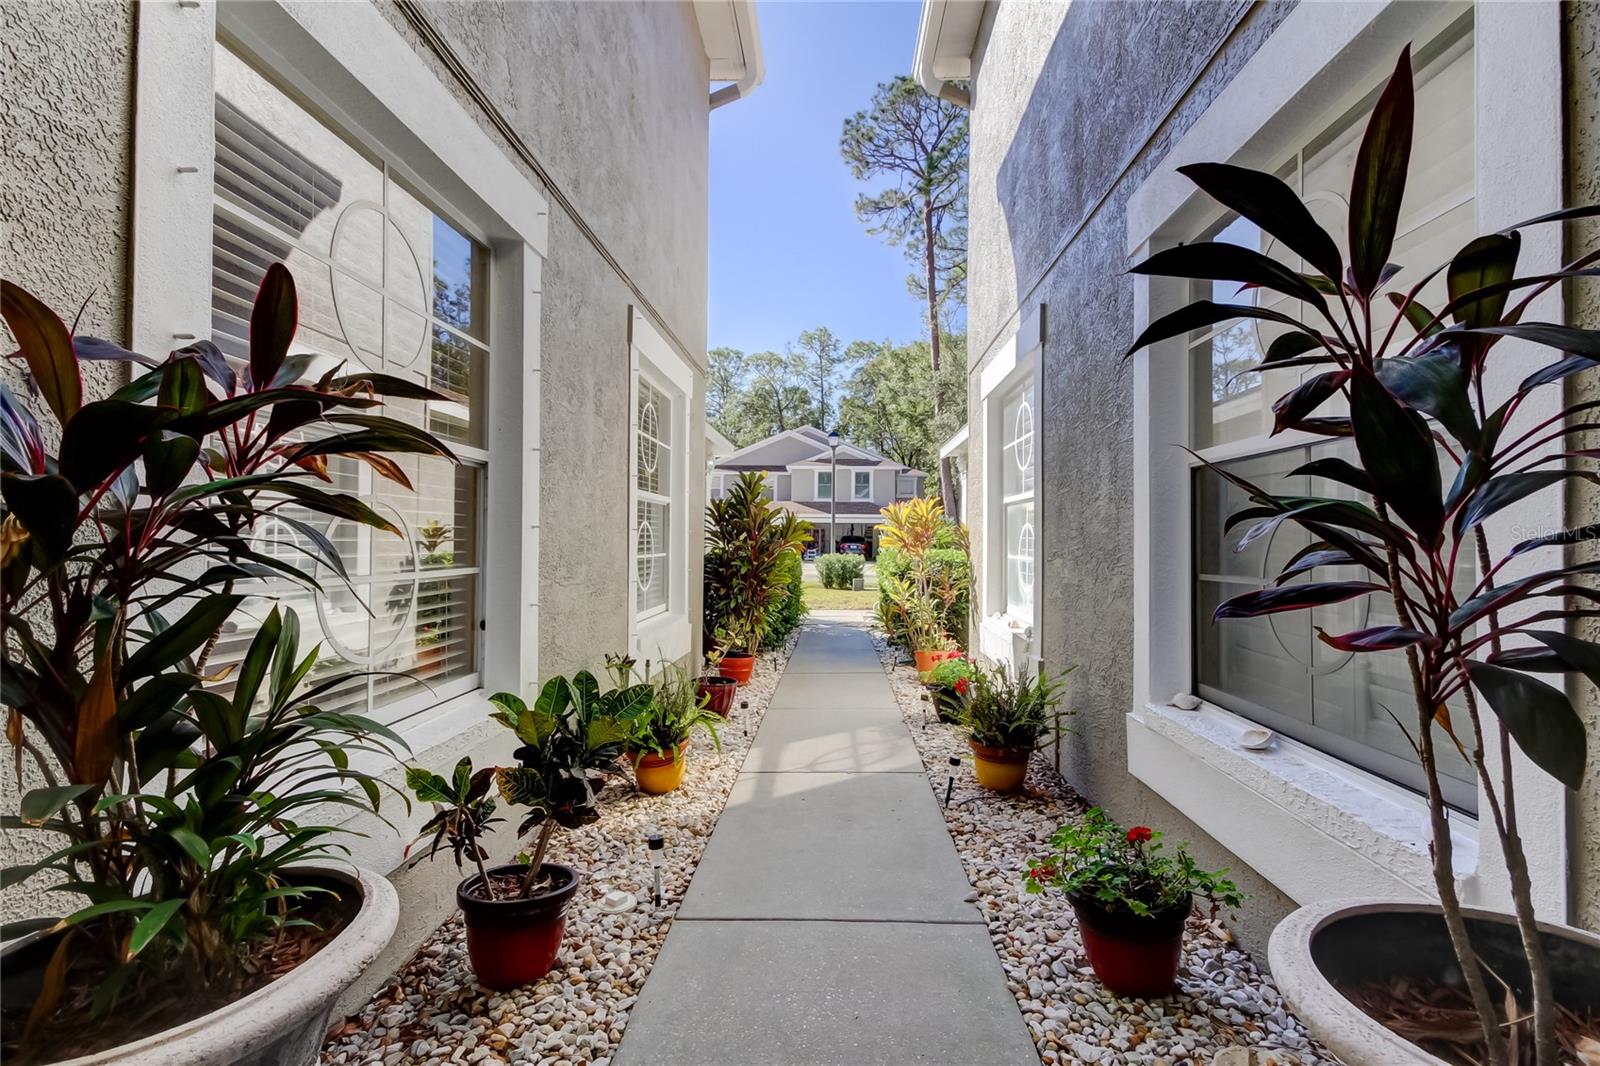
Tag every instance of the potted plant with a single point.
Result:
(1131, 899)
(515, 913)
(1009, 714)
(1443, 439)
(747, 539)
(658, 744)
(951, 681)
(210, 925)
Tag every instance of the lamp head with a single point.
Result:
(833, 438)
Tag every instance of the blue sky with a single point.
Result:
(787, 253)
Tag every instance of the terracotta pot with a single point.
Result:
(279, 1024)
(718, 692)
(514, 942)
(927, 660)
(737, 666)
(1134, 956)
(659, 773)
(999, 769)
(1321, 948)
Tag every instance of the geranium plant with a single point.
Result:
(173, 793)
(1129, 870)
(1443, 441)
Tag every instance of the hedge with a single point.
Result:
(840, 571)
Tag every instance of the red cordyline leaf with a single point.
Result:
(1376, 638)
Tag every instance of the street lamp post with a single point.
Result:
(833, 491)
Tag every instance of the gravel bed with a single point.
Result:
(1223, 1000)
(433, 1011)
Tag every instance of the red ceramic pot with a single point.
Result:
(514, 942)
(738, 666)
(718, 693)
(1134, 956)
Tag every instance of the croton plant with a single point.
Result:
(173, 797)
(1444, 439)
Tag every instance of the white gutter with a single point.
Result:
(956, 443)
(922, 66)
(754, 65)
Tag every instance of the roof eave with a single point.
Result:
(947, 34)
(732, 38)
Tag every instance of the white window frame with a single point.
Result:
(1003, 637)
(664, 634)
(818, 493)
(857, 492)
(1317, 827)
(356, 69)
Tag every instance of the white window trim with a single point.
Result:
(1002, 637)
(664, 635)
(855, 485)
(816, 492)
(359, 71)
(1271, 809)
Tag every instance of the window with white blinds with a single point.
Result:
(653, 499)
(1273, 669)
(385, 283)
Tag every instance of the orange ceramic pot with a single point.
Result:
(660, 773)
(737, 666)
(999, 769)
(927, 660)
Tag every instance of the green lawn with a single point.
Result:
(821, 599)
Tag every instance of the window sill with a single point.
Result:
(1314, 826)
(998, 636)
(663, 637)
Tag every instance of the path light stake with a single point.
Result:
(656, 845)
(744, 716)
(950, 782)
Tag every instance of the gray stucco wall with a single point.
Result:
(66, 76)
(611, 99)
(1581, 42)
(1074, 107)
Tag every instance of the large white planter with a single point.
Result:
(1339, 1024)
(280, 1024)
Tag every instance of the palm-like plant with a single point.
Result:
(176, 806)
(1416, 388)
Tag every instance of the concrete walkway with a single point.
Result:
(827, 922)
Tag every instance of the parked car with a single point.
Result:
(854, 546)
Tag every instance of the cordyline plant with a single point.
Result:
(746, 539)
(571, 736)
(921, 604)
(1417, 400)
(175, 807)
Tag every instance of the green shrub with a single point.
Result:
(786, 613)
(747, 540)
(840, 571)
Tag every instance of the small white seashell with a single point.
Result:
(1185, 701)
(1256, 738)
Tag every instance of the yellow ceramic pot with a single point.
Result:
(660, 773)
(999, 769)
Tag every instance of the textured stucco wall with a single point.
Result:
(1073, 108)
(1581, 42)
(66, 78)
(611, 98)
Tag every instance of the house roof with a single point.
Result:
(803, 446)
(817, 510)
(956, 443)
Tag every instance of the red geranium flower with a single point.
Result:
(962, 684)
(1139, 834)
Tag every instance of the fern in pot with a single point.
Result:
(658, 744)
(1008, 714)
